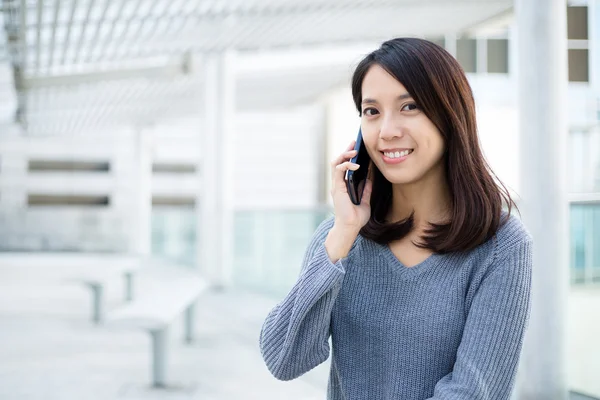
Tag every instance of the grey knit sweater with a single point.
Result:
(448, 328)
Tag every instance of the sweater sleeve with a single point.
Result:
(488, 355)
(295, 335)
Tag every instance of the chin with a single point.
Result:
(400, 179)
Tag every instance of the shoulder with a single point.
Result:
(512, 256)
(511, 236)
(511, 245)
(505, 260)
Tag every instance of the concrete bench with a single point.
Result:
(97, 276)
(95, 270)
(168, 293)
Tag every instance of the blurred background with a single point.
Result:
(163, 164)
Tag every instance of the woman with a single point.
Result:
(424, 287)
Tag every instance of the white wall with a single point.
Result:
(65, 228)
(278, 154)
(276, 166)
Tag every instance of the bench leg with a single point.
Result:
(159, 357)
(128, 286)
(97, 303)
(190, 319)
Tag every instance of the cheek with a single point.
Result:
(437, 146)
(433, 144)
(370, 139)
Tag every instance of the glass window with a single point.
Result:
(177, 201)
(67, 166)
(577, 23)
(585, 243)
(578, 65)
(497, 56)
(584, 161)
(174, 168)
(174, 234)
(466, 54)
(40, 200)
(440, 41)
(270, 246)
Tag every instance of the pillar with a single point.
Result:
(215, 193)
(542, 82)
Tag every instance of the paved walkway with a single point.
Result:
(50, 350)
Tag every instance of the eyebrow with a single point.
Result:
(401, 97)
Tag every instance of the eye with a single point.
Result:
(410, 107)
(370, 111)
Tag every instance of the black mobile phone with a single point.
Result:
(355, 180)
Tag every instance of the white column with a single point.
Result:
(542, 80)
(215, 193)
(481, 55)
(450, 43)
(123, 175)
(13, 175)
(322, 158)
(143, 198)
(513, 51)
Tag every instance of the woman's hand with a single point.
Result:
(349, 218)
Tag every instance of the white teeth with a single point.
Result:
(397, 154)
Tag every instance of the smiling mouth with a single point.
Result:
(397, 154)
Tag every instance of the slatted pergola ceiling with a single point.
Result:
(93, 64)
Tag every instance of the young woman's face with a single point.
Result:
(402, 142)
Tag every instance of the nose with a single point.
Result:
(390, 128)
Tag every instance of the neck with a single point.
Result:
(429, 199)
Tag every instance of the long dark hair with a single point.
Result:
(438, 84)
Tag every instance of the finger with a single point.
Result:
(345, 156)
(347, 165)
(341, 157)
(339, 181)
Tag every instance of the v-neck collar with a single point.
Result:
(401, 268)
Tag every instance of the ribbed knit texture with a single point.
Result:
(448, 328)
